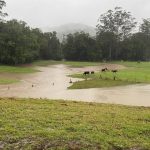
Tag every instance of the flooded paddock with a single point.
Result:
(52, 82)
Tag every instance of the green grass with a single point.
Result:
(8, 81)
(12, 69)
(69, 63)
(99, 83)
(81, 64)
(134, 64)
(42, 124)
(134, 73)
(45, 63)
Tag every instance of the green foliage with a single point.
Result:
(80, 47)
(20, 44)
(42, 124)
(117, 21)
(2, 4)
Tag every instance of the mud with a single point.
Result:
(52, 83)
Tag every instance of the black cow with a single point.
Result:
(114, 71)
(92, 72)
(104, 70)
(86, 73)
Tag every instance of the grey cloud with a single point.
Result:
(40, 13)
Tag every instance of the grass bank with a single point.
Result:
(43, 124)
(135, 73)
(8, 81)
(69, 63)
(16, 69)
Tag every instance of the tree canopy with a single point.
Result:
(115, 40)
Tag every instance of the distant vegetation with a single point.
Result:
(115, 40)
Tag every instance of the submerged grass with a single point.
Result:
(43, 124)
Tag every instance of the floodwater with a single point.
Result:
(52, 82)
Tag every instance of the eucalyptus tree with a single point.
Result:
(118, 24)
(2, 4)
(145, 27)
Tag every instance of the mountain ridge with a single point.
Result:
(66, 29)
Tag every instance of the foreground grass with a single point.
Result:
(13, 69)
(42, 124)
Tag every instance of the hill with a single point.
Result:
(70, 28)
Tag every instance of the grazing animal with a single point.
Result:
(32, 85)
(114, 71)
(86, 73)
(104, 70)
(92, 72)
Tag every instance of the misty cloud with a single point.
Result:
(40, 13)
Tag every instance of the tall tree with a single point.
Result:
(145, 27)
(118, 21)
(113, 27)
(2, 4)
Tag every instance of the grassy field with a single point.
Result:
(8, 81)
(42, 124)
(135, 73)
(13, 69)
(69, 63)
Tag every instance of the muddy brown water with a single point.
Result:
(52, 83)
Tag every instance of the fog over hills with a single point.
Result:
(70, 28)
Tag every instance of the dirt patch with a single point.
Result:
(45, 144)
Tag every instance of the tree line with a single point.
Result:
(115, 40)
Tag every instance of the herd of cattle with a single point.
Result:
(102, 70)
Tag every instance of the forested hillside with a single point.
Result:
(116, 39)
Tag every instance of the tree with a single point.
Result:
(145, 27)
(80, 47)
(113, 27)
(117, 21)
(50, 46)
(2, 4)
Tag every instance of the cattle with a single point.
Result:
(86, 73)
(104, 70)
(114, 71)
(92, 72)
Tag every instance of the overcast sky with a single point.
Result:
(42, 13)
